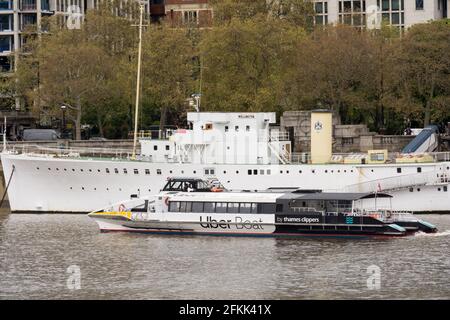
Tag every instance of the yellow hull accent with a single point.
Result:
(124, 214)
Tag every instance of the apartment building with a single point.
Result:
(182, 12)
(372, 13)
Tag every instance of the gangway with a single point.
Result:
(426, 141)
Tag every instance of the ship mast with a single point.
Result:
(138, 83)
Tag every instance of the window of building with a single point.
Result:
(190, 17)
(393, 13)
(419, 4)
(321, 13)
(353, 13)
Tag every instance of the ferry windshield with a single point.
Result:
(187, 185)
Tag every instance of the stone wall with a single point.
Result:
(346, 138)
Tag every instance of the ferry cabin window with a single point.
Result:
(209, 207)
(233, 208)
(197, 207)
(136, 171)
(419, 169)
(226, 128)
(221, 207)
(399, 170)
(147, 171)
(247, 128)
(279, 207)
(167, 147)
(116, 170)
(174, 206)
(155, 148)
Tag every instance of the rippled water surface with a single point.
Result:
(36, 252)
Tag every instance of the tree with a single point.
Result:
(422, 65)
(243, 63)
(167, 69)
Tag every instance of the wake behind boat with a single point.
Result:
(188, 206)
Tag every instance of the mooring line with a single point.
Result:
(7, 186)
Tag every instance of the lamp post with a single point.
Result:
(63, 129)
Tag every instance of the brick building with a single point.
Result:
(182, 12)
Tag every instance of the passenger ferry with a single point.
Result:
(243, 151)
(191, 206)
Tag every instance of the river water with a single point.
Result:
(52, 256)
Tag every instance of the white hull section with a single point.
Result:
(46, 184)
(261, 224)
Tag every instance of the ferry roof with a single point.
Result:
(269, 197)
(343, 196)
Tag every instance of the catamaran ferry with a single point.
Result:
(243, 151)
(200, 210)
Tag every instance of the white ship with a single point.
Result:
(243, 151)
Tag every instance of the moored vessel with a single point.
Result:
(188, 206)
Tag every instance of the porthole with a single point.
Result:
(81, 170)
(170, 171)
(125, 171)
(136, 171)
(418, 189)
(73, 170)
(98, 170)
(147, 171)
(65, 169)
(158, 171)
(326, 171)
(95, 189)
(82, 188)
(237, 172)
(116, 170)
(90, 170)
(49, 169)
(107, 170)
(37, 168)
(419, 169)
(287, 171)
(57, 169)
(439, 189)
(299, 171)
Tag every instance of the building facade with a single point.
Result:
(372, 13)
(182, 12)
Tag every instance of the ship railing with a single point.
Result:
(279, 135)
(72, 152)
(441, 156)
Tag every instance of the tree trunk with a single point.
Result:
(427, 117)
(78, 121)
(100, 126)
(162, 121)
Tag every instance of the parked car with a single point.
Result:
(40, 134)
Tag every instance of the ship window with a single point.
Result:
(209, 207)
(155, 148)
(411, 189)
(233, 208)
(206, 171)
(98, 170)
(418, 189)
(136, 171)
(90, 170)
(279, 207)
(399, 170)
(221, 207)
(73, 170)
(197, 207)
(249, 172)
(237, 172)
(208, 126)
(49, 169)
(268, 171)
(107, 170)
(65, 169)
(281, 171)
(158, 171)
(254, 208)
(125, 171)
(236, 128)
(255, 172)
(419, 169)
(211, 171)
(147, 171)
(194, 172)
(247, 128)
(439, 189)
(116, 170)
(261, 171)
(57, 169)
(299, 171)
(245, 208)
(80, 170)
(226, 128)
(167, 147)
(37, 168)
(287, 171)
(445, 188)
(170, 171)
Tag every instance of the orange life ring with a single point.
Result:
(166, 201)
(122, 208)
(215, 189)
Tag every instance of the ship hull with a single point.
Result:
(48, 184)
